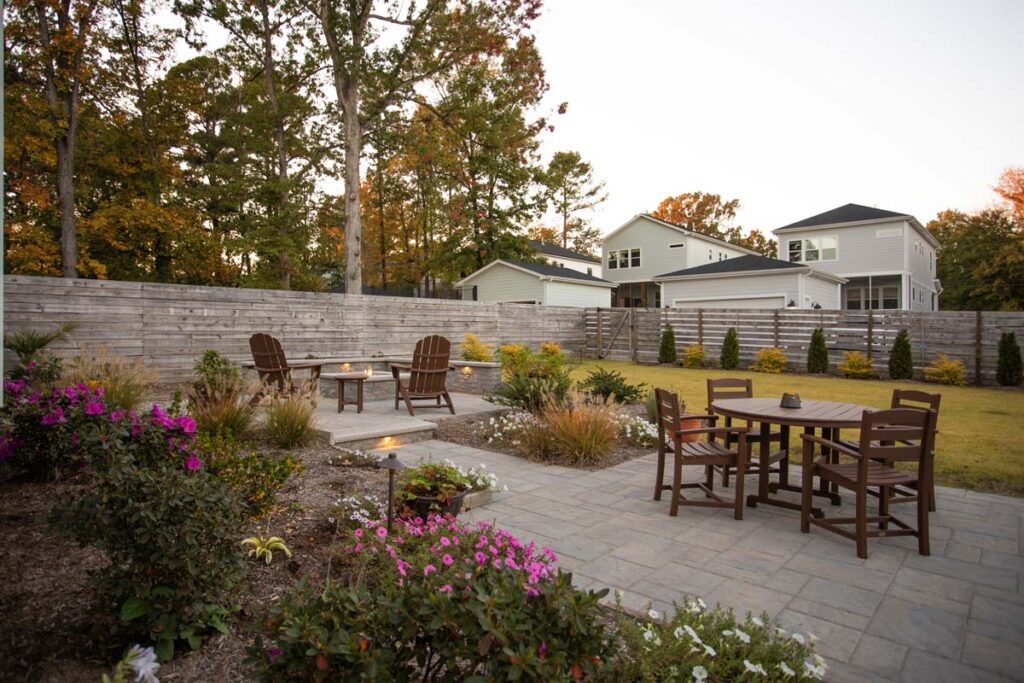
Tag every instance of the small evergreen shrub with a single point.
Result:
(901, 360)
(533, 391)
(290, 420)
(216, 370)
(817, 353)
(474, 349)
(611, 384)
(253, 476)
(856, 365)
(693, 357)
(946, 370)
(667, 351)
(771, 360)
(1010, 369)
(730, 357)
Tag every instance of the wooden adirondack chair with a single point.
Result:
(273, 368)
(426, 375)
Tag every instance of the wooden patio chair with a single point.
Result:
(700, 453)
(426, 375)
(887, 437)
(273, 368)
(729, 387)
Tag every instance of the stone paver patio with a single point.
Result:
(957, 615)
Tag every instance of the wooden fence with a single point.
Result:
(970, 336)
(170, 326)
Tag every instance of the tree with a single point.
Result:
(571, 188)
(817, 353)
(901, 361)
(701, 212)
(730, 358)
(1010, 370)
(1011, 188)
(667, 351)
(755, 240)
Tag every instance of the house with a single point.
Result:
(887, 257)
(644, 247)
(567, 258)
(750, 281)
(506, 281)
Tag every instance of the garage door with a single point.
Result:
(755, 302)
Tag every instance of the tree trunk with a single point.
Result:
(279, 139)
(66, 200)
(353, 222)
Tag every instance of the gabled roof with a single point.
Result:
(561, 252)
(680, 228)
(857, 213)
(543, 271)
(744, 264)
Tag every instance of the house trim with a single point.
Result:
(680, 229)
(894, 219)
(801, 270)
(691, 299)
(543, 278)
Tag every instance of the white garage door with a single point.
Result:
(754, 302)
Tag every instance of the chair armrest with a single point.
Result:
(831, 445)
(400, 366)
(705, 418)
(253, 366)
(305, 366)
(739, 431)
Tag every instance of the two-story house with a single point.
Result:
(567, 258)
(644, 247)
(887, 258)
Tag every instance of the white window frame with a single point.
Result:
(819, 249)
(615, 258)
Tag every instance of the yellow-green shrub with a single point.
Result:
(856, 365)
(946, 370)
(290, 420)
(693, 356)
(474, 349)
(771, 360)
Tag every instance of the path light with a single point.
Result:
(467, 370)
(392, 464)
(369, 371)
(345, 367)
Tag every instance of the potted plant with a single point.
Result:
(432, 487)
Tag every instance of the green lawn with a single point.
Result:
(978, 446)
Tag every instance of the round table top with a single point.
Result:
(809, 414)
(353, 374)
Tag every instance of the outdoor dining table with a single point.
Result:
(828, 416)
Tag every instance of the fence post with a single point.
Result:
(700, 327)
(871, 330)
(775, 323)
(977, 347)
(600, 342)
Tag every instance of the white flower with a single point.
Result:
(781, 631)
(798, 638)
(820, 661)
(711, 652)
(653, 614)
(693, 634)
(787, 670)
(813, 671)
(678, 633)
(750, 666)
(142, 661)
(743, 636)
(699, 674)
(757, 621)
(703, 605)
(813, 638)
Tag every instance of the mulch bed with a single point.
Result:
(50, 631)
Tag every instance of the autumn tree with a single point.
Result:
(572, 189)
(1011, 188)
(701, 212)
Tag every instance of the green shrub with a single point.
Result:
(945, 370)
(696, 644)
(224, 404)
(254, 477)
(693, 357)
(214, 369)
(730, 358)
(473, 349)
(442, 604)
(431, 480)
(290, 420)
(1010, 370)
(28, 343)
(856, 365)
(514, 358)
(534, 391)
(552, 353)
(651, 406)
(817, 353)
(771, 360)
(667, 352)
(611, 384)
(125, 382)
(901, 361)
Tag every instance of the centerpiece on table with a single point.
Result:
(443, 488)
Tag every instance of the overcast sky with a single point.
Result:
(793, 107)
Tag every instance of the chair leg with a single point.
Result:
(923, 503)
(930, 488)
(709, 475)
(884, 492)
(806, 488)
(862, 521)
(397, 392)
(448, 400)
(741, 471)
(725, 475)
(660, 476)
(677, 483)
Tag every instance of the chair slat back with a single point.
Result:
(914, 398)
(897, 434)
(268, 355)
(429, 368)
(669, 411)
(729, 387)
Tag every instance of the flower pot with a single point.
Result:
(690, 424)
(475, 499)
(421, 506)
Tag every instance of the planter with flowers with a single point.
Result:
(444, 488)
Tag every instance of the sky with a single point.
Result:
(794, 107)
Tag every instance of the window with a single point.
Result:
(613, 260)
(814, 249)
(590, 271)
(711, 254)
(864, 298)
(634, 258)
(624, 258)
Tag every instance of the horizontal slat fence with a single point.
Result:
(635, 334)
(170, 326)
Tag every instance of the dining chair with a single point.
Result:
(887, 438)
(731, 387)
(698, 453)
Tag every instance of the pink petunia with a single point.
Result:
(445, 542)
(359, 533)
(429, 569)
(192, 463)
(447, 588)
(93, 408)
(382, 532)
(186, 424)
(447, 559)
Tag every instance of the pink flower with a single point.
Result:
(186, 424)
(447, 559)
(429, 569)
(481, 559)
(116, 415)
(53, 418)
(192, 463)
(358, 547)
(93, 408)
(274, 652)
(542, 651)
(447, 588)
(381, 532)
(445, 542)
(359, 533)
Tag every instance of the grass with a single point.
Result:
(978, 446)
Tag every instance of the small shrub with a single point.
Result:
(125, 382)
(901, 361)
(581, 435)
(534, 391)
(611, 384)
(771, 360)
(442, 481)
(817, 353)
(552, 352)
(1010, 369)
(474, 349)
(27, 343)
(224, 404)
(697, 644)
(651, 406)
(946, 370)
(263, 547)
(215, 370)
(514, 358)
(637, 430)
(730, 357)
(255, 477)
(667, 351)
(693, 357)
(856, 365)
(290, 420)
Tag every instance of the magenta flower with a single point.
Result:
(447, 559)
(381, 532)
(359, 533)
(429, 569)
(447, 588)
(93, 408)
(53, 418)
(274, 652)
(33, 397)
(192, 463)
(116, 415)
(481, 559)
(186, 424)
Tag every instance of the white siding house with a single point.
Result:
(504, 281)
(567, 258)
(887, 257)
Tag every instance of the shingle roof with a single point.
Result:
(555, 250)
(848, 213)
(740, 264)
(548, 270)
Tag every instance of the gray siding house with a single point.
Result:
(558, 255)
(519, 282)
(888, 258)
(644, 247)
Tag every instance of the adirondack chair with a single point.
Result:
(426, 376)
(273, 368)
